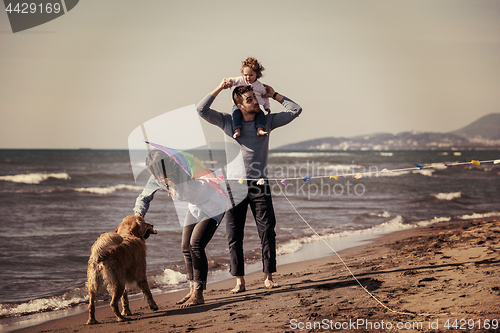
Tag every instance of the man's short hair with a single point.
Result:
(238, 93)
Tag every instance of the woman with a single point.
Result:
(205, 211)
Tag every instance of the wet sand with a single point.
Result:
(426, 277)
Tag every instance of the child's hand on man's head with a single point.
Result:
(270, 91)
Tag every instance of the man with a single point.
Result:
(255, 150)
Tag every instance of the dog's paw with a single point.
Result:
(126, 312)
(92, 322)
(153, 307)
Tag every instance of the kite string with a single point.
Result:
(347, 267)
(383, 171)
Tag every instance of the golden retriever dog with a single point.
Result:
(116, 259)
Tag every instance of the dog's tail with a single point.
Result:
(97, 253)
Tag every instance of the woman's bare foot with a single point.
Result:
(240, 285)
(195, 299)
(185, 298)
(238, 289)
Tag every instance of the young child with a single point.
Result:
(251, 72)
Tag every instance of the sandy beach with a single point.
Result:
(438, 278)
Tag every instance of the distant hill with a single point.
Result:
(484, 133)
(485, 128)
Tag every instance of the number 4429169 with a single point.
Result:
(464, 324)
(32, 8)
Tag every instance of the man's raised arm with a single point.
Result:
(292, 109)
(225, 84)
(212, 116)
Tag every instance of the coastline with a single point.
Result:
(445, 269)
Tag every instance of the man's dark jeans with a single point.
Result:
(260, 202)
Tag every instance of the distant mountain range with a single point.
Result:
(484, 133)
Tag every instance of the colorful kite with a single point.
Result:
(192, 166)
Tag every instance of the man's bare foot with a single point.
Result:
(185, 298)
(268, 281)
(240, 285)
(269, 284)
(260, 132)
(194, 300)
(237, 133)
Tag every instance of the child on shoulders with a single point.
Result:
(251, 72)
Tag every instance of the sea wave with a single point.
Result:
(43, 304)
(394, 224)
(425, 172)
(389, 173)
(306, 154)
(314, 170)
(397, 173)
(167, 280)
(447, 196)
(383, 214)
(474, 216)
(34, 178)
(108, 189)
(426, 223)
(438, 166)
(169, 277)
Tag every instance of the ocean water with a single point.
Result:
(57, 202)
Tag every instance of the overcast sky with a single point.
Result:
(90, 77)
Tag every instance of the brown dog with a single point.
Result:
(118, 258)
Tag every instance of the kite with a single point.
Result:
(191, 166)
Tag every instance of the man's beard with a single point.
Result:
(255, 110)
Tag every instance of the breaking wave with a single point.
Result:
(34, 178)
(394, 224)
(108, 189)
(306, 154)
(447, 196)
(479, 215)
(169, 277)
(44, 304)
(383, 214)
(168, 280)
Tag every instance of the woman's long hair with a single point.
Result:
(166, 170)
